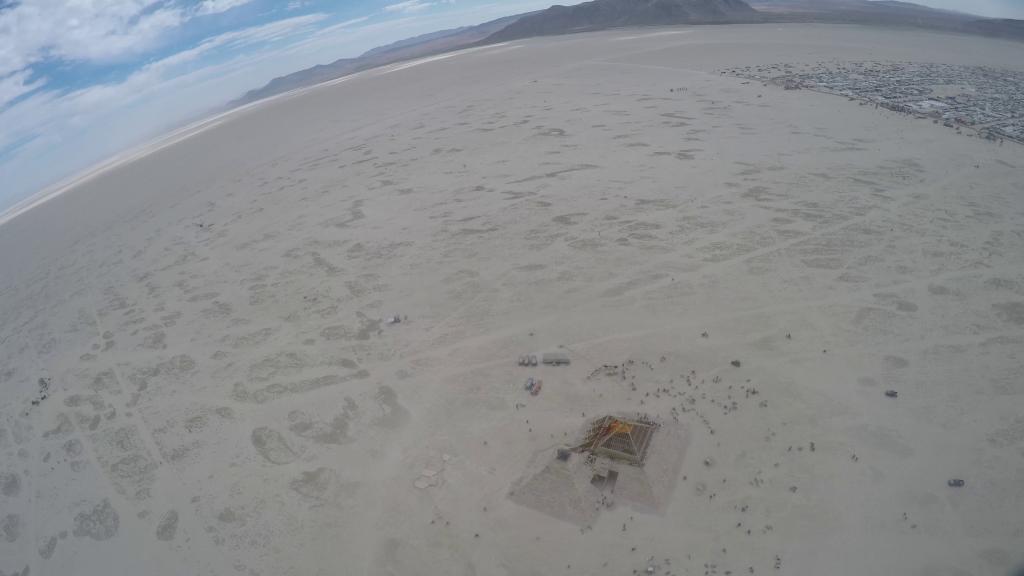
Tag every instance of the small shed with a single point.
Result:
(555, 358)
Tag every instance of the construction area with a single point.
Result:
(633, 460)
(619, 438)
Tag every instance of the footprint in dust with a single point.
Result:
(73, 448)
(10, 484)
(367, 327)
(203, 297)
(393, 415)
(334, 432)
(336, 332)
(155, 341)
(168, 526)
(11, 527)
(228, 516)
(106, 382)
(271, 445)
(551, 132)
(1011, 312)
(279, 364)
(894, 300)
(321, 484)
(46, 550)
(1009, 435)
(100, 523)
(568, 219)
(63, 428)
(905, 306)
(884, 439)
(895, 362)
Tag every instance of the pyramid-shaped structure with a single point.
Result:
(619, 438)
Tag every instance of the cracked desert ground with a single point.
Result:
(225, 396)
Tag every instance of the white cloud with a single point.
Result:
(47, 127)
(217, 6)
(339, 26)
(409, 6)
(77, 31)
(264, 33)
(81, 31)
(47, 134)
(270, 32)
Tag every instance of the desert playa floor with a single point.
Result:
(224, 395)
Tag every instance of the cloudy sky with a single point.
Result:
(81, 80)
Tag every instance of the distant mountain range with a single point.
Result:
(417, 47)
(604, 14)
(887, 13)
(997, 28)
(601, 14)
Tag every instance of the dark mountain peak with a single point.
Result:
(600, 14)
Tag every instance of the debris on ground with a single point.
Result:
(44, 391)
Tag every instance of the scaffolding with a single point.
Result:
(625, 439)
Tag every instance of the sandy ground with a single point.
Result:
(224, 397)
